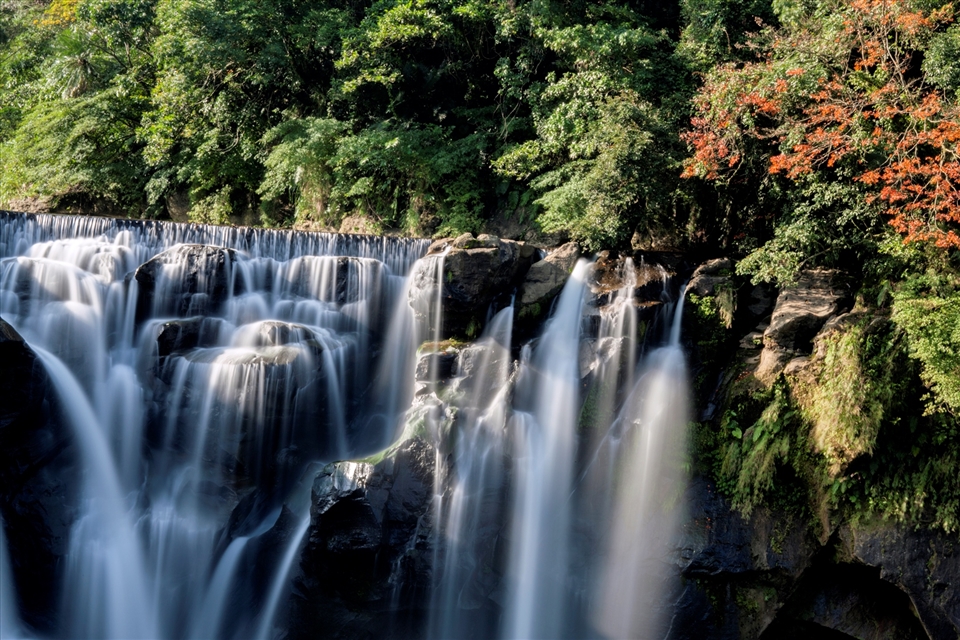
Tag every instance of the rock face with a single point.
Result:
(189, 279)
(477, 273)
(800, 312)
(709, 275)
(768, 576)
(924, 564)
(38, 479)
(738, 572)
(365, 569)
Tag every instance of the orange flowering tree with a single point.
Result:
(845, 93)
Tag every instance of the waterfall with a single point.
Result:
(205, 374)
(648, 508)
(477, 479)
(191, 364)
(544, 460)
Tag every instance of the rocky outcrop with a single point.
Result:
(38, 479)
(186, 280)
(477, 273)
(181, 335)
(365, 570)
(841, 600)
(800, 312)
(769, 576)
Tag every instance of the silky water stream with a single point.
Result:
(206, 373)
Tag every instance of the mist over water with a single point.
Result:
(204, 391)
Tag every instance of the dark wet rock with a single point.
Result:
(365, 569)
(770, 576)
(738, 571)
(800, 312)
(759, 301)
(846, 601)
(924, 564)
(653, 281)
(189, 279)
(181, 335)
(250, 431)
(478, 274)
(439, 365)
(38, 479)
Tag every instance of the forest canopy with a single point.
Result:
(796, 133)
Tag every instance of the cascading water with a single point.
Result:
(202, 370)
(232, 367)
(545, 432)
(481, 394)
(648, 509)
(595, 488)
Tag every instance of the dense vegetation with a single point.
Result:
(789, 134)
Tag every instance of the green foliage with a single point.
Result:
(707, 320)
(932, 325)
(717, 31)
(604, 158)
(761, 440)
(854, 393)
(941, 65)
(297, 167)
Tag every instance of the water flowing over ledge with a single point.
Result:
(149, 237)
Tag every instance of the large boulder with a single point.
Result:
(185, 280)
(710, 276)
(189, 333)
(365, 571)
(251, 435)
(800, 312)
(39, 479)
(477, 273)
(544, 282)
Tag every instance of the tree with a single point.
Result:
(841, 97)
(604, 156)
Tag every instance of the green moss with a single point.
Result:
(450, 343)
(473, 329)
(531, 311)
